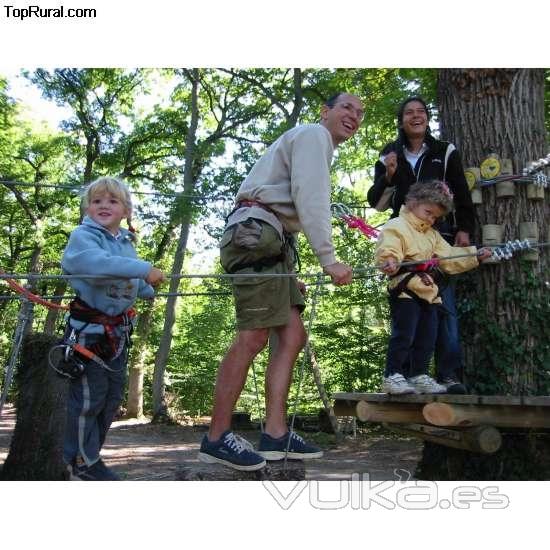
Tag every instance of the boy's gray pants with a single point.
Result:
(92, 403)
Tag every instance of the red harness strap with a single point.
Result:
(247, 203)
(425, 266)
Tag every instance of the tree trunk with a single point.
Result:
(136, 365)
(506, 329)
(160, 408)
(28, 307)
(37, 443)
(53, 313)
(136, 375)
(136, 369)
(504, 307)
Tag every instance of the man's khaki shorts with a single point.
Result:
(260, 302)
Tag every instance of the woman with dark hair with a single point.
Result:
(416, 156)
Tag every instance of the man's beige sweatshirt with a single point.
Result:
(293, 179)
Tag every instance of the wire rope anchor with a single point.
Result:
(507, 250)
(537, 165)
(540, 180)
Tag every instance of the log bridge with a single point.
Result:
(470, 422)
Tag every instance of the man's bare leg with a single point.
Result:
(291, 339)
(232, 376)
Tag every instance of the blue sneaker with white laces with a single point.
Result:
(276, 449)
(231, 450)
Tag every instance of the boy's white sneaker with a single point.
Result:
(396, 384)
(425, 384)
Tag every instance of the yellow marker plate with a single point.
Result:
(470, 178)
(490, 168)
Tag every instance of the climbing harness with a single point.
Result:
(71, 364)
(427, 271)
(110, 345)
(288, 245)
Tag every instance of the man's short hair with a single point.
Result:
(331, 101)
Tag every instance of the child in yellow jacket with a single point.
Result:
(414, 294)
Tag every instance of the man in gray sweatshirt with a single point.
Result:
(287, 191)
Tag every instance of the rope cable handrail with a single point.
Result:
(525, 245)
(79, 188)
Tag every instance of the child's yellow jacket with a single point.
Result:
(408, 238)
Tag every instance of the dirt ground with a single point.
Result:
(140, 451)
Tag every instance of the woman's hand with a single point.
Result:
(390, 161)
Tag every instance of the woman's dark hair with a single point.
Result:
(401, 109)
(400, 132)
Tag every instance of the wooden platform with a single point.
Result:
(511, 400)
(469, 422)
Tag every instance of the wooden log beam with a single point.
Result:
(448, 414)
(406, 413)
(345, 408)
(480, 439)
(520, 400)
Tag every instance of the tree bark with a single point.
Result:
(37, 443)
(504, 307)
(502, 111)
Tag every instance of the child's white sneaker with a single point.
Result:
(397, 385)
(425, 384)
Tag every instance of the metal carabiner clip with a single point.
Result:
(340, 210)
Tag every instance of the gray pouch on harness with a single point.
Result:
(247, 234)
(252, 244)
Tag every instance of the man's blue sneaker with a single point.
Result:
(231, 450)
(98, 471)
(275, 449)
